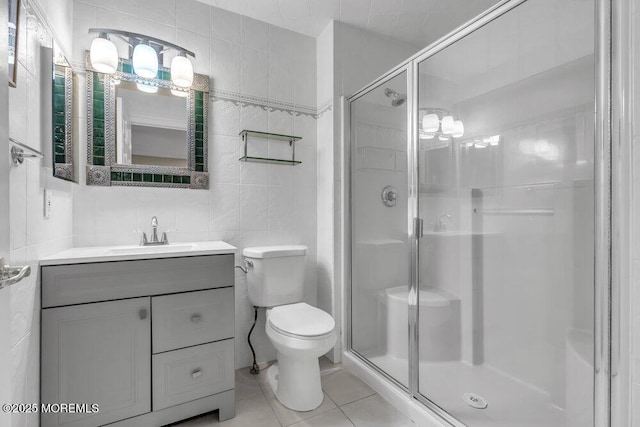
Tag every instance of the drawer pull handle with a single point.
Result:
(197, 373)
(143, 313)
(196, 318)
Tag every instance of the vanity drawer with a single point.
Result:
(183, 375)
(92, 282)
(192, 318)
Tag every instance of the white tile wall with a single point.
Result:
(325, 212)
(32, 236)
(247, 204)
(5, 332)
(347, 58)
(635, 225)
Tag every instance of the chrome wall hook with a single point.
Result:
(18, 153)
(11, 275)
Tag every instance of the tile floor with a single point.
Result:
(348, 402)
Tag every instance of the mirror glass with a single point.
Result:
(151, 127)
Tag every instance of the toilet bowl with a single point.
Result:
(299, 332)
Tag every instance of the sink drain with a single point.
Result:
(474, 400)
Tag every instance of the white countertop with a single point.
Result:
(135, 252)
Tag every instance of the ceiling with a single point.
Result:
(416, 22)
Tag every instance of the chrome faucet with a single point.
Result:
(441, 225)
(154, 237)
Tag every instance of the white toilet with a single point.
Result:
(299, 332)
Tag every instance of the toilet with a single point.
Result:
(300, 333)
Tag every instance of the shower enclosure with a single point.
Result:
(475, 176)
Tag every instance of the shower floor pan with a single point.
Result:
(511, 403)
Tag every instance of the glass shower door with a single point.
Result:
(505, 298)
(379, 227)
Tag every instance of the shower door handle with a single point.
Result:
(417, 228)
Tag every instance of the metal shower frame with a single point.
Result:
(611, 395)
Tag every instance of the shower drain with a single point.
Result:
(474, 400)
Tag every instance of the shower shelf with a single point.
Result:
(246, 134)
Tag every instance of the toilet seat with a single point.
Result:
(301, 321)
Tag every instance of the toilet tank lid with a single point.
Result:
(274, 251)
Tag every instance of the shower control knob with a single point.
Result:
(389, 196)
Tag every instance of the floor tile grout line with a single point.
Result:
(264, 395)
(272, 410)
(359, 399)
(301, 419)
(329, 397)
(347, 416)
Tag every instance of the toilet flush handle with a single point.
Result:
(248, 264)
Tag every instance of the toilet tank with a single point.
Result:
(275, 274)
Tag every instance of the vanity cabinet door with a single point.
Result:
(97, 353)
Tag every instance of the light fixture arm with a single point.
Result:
(126, 36)
(124, 39)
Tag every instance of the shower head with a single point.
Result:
(397, 98)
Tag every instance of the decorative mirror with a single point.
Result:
(62, 116)
(47, 59)
(146, 131)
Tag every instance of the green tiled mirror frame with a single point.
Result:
(63, 121)
(102, 168)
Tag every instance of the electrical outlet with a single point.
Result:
(47, 203)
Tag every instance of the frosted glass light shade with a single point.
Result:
(104, 55)
(181, 71)
(145, 61)
(448, 125)
(430, 123)
(146, 88)
(458, 129)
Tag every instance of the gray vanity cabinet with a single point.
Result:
(106, 343)
(149, 341)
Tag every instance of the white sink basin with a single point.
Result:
(132, 250)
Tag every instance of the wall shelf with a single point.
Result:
(246, 134)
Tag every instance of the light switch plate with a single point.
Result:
(47, 203)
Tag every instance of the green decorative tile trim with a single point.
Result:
(125, 66)
(98, 120)
(140, 179)
(199, 131)
(62, 120)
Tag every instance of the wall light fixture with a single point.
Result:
(145, 52)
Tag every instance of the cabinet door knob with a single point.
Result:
(195, 374)
(196, 318)
(143, 313)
